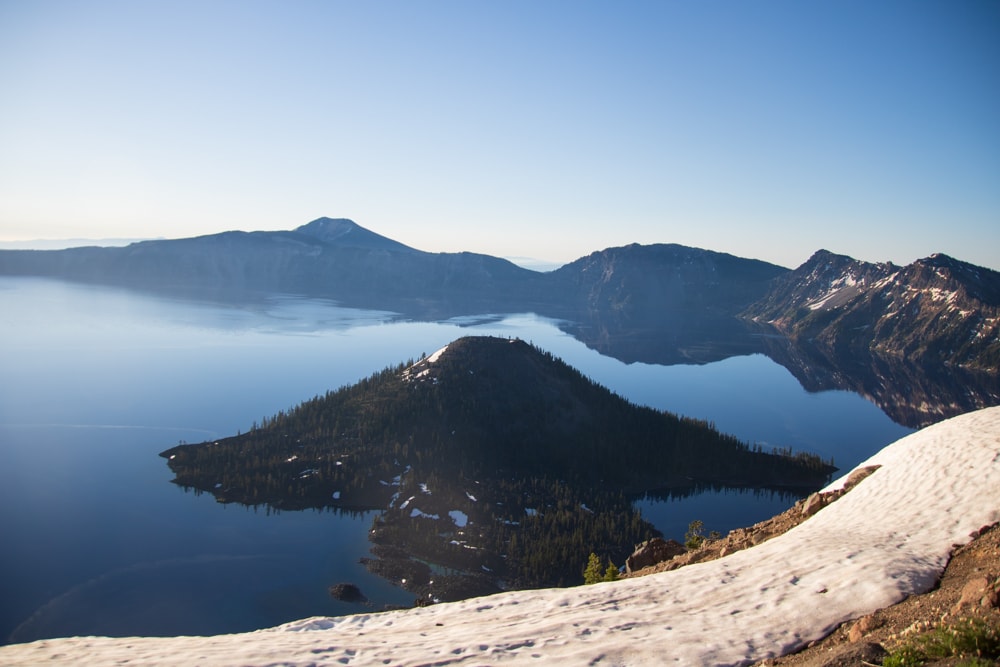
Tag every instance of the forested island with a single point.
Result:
(492, 463)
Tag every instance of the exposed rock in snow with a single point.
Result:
(887, 538)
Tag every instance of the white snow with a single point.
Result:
(838, 293)
(407, 373)
(889, 537)
(437, 355)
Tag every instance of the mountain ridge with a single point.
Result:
(934, 308)
(937, 310)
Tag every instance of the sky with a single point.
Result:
(535, 129)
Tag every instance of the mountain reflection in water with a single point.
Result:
(911, 395)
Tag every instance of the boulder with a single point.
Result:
(977, 592)
(652, 552)
(850, 655)
(813, 504)
(861, 628)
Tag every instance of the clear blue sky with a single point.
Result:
(545, 129)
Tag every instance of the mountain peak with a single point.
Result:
(347, 233)
(823, 256)
(979, 282)
(519, 372)
(329, 227)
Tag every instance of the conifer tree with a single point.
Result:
(592, 574)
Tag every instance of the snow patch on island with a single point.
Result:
(437, 355)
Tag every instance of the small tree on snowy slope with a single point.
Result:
(594, 571)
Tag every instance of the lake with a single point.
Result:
(97, 381)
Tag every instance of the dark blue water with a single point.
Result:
(97, 381)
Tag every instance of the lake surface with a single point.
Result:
(97, 381)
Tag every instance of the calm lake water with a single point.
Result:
(97, 381)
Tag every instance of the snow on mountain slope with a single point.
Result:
(936, 310)
(887, 538)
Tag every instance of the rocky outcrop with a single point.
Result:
(851, 655)
(982, 592)
(936, 309)
(652, 552)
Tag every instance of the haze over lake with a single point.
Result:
(98, 381)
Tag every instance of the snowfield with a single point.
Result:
(887, 538)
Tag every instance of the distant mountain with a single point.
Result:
(332, 258)
(521, 463)
(662, 303)
(937, 309)
(643, 282)
(339, 259)
(60, 244)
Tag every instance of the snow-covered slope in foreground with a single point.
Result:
(887, 538)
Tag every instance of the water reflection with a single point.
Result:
(912, 395)
(719, 509)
